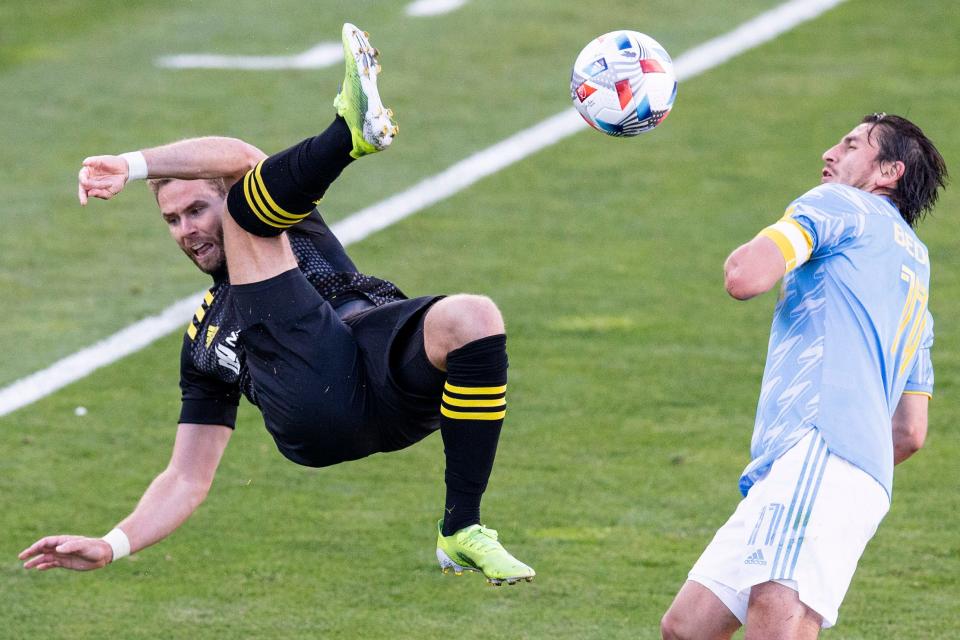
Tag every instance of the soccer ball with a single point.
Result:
(623, 83)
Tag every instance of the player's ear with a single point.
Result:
(890, 173)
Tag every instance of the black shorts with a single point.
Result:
(333, 389)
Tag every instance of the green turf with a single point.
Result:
(633, 377)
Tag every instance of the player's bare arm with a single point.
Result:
(909, 425)
(169, 500)
(195, 158)
(753, 268)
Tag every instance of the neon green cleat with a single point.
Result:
(475, 548)
(371, 124)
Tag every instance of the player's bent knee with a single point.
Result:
(457, 321)
(468, 317)
(463, 318)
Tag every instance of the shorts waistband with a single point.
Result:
(351, 306)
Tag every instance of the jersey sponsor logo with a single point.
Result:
(227, 355)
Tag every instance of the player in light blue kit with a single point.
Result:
(844, 393)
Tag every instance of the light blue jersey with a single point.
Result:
(851, 332)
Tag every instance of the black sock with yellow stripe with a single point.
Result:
(284, 188)
(472, 410)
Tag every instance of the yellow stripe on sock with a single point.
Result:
(475, 391)
(255, 207)
(461, 415)
(285, 216)
(459, 402)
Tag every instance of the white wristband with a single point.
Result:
(119, 542)
(136, 165)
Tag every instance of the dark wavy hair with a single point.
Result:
(925, 172)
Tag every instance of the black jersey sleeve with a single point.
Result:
(329, 246)
(205, 399)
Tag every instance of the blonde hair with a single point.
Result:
(218, 184)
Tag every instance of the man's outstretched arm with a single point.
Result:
(170, 499)
(209, 157)
(753, 268)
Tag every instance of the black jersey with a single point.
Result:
(213, 371)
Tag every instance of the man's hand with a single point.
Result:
(67, 552)
(102, 177)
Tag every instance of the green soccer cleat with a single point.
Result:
(475, 548)
(371, 124)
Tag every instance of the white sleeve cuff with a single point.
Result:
(119, 542)
(136, 165)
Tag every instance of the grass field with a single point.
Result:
(633, 377)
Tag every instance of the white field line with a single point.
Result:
(367, 221)
(422, 8)
(325, 54)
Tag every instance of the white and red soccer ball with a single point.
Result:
(623, 83)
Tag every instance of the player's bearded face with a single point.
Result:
(192, 210)
(853, 160)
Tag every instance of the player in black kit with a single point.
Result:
(340, 364)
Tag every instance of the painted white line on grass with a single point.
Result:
(422, 8)
(325, 54)
(750, 34)
(427, 192)
(126, 341)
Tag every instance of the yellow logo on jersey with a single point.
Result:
(211, 333)
(194, 325)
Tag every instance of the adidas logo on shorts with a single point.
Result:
(755, 558)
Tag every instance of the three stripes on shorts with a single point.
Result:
(789, 540)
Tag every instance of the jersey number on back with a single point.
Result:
(913, 319)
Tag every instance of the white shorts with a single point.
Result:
(805, 525)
